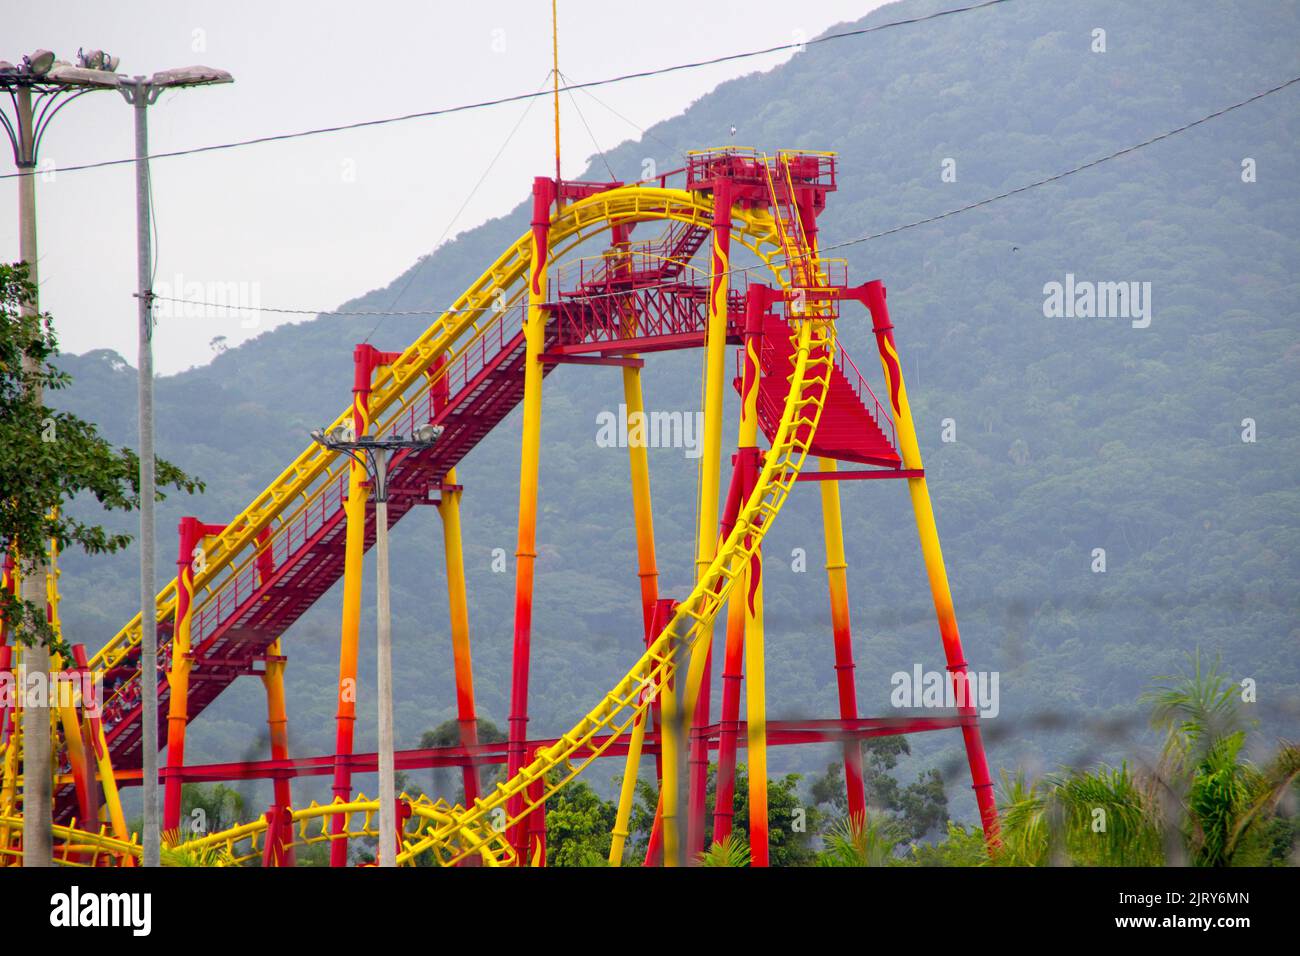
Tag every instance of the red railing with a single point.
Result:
(652, 259)
(863, 391)
(657, 311)
(809, 169)
(706, 167)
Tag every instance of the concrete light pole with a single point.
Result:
(141, 93)
(54, 85)
(372, 452)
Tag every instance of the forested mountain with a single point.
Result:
(1072, 433)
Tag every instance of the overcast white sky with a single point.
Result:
(313, 222)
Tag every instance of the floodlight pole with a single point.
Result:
(38, 790)
(387, 853)
(141, 93)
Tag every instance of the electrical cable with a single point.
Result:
(517, 97)
(744, 270)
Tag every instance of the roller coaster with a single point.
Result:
(546, 301)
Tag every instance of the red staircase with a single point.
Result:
(854, 425)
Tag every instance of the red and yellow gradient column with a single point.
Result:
(757, 301)
(544, 191)
(457, 602)
(755, 664)
(648, 572)
(695, 696)
(837, 582)
(190, 534)
(103, 759)
(83, 779)
(277, 716)
(932, 554)
(365, 359)
(756, 713)
(277, 725)
(458, 612)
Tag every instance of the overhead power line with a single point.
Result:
(1075, 169)
(1055, 177)
(518, 97)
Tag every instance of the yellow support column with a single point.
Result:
(706, 541)
(277, 717)
(544, 191)
(107, 780)
(755, 663)
(350, 623)
(738, 613)
(756, 714)
(838, 585)
(98, 748)
(350, 617)
(647, 570)
(458, 611)
(932, 555)
(64, 703)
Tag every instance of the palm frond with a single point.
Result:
(173, 852)
(861, 840)
(733, 851)
(1098, 818)
(1195, 711)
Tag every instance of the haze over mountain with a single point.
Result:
(1072, 433)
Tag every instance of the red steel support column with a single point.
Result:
(530, 459)
(278, 850)
(933, 556)
(190, 532)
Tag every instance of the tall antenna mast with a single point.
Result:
(555, 75)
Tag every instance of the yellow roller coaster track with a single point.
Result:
(310, 826)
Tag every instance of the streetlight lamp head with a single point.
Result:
(341, 434)
(69, 75)
(429, 433)
(39, 63)
(190, 76)
(318, 436)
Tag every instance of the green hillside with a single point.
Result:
(1072, 433)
